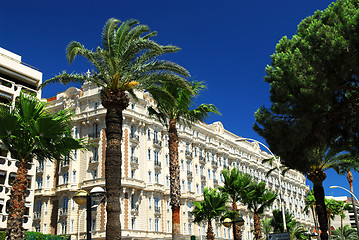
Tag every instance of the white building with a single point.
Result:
(204, 150)
(15, 77)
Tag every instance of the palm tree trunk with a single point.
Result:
(114, 103)
(17, 204)
(317, 177)
(210, 234)
(315, 221)
(175, 191)
(236, 229)
(257, 227)
(350, 181)
(330, 223)
(341, 227)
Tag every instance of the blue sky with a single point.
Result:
(226, 44)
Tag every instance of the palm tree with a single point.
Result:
(30, 132)
(296, 231)
(310, 203)
(126, 62)
(333, 208)
(266, 227)
(343, 207)
(346, 233)
(235, 184)
(257, 198)
(170, 111)
(212, 207)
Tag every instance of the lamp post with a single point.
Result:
(354, 206)
(277, 162)
(81, 197)
(238, 221)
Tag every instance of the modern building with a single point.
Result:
(349, 215)
(204, 151)
(15, 77)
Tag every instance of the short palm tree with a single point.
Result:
(266, 227)
(257, 198)
(170, 111)
(127, 61)
(30, 132)
(235, 184)
(310, 204)
(212, 207)
(296, 231)
(346, 233)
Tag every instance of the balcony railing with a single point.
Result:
(157, 210)
(214, 163)
(202, 159)
(188, 153)
(39, 169)
(157, 142)
(94, 135)
(37, 215)
(134, 137)
(65, 163)
(134, 208)
(63, 211)
(134, 160)
(189, 174)
(93, 159)
(215, 182)
(157, 164)
(190, 214)
(203, 178)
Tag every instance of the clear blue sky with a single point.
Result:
(225, 43)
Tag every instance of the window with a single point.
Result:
(214, 174)
(209, 174)
(149, 176)
(47, 181)
(149, 203)
(155, 153)
(150, 224)
(155, 135)
(212, 156)
(133, 223)
(183, 186)
(207, 157)
(182, 165)
(94, 173)
(189, 186)
(190, 228)
(197, 189)
(201, 170)
(74, 177)
(65, 178)
(195, 152)
(133, 151)
(133, 173)
(149, 154)
(156, 177)
(188, 166)
(184, 228)
(149, 134)
(166, 157)
(95, 105)
(46, 207)
(156, 225)
(167, 181)
(93, 225)
(39, 183)
(45, 228)
(65, 203)
(196, 168)
(72, 226)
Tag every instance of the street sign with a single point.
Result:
(279, 236)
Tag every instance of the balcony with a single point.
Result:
(214, 164)
(93, 159)
(190, 214)
(189, 174)
(157, 143)
(225, 166)
(39, 169)
(203, 178)
(65, 163)
(188, 154)
(134, 137)
(134, 209)
(157, 210)
(157, 164)
(215, 182)
(202, 159)
(94, 135)
(37, 215)
(134, 160)
(63, 212)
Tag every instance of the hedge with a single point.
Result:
(38, 236)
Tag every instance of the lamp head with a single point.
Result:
(80, 197)
(97, 194)
(227, 222)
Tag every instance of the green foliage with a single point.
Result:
(257, 198)
(314, 83)
(235, 183)
(348, 233)
(174, 102)
(213, 206)
(41, 236)
(2, 235)
(127, 60)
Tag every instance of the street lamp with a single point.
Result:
(81, 197)
(238, 221)
(277, 162)
(354, 206)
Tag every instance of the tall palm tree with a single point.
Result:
(257, 198)
(333, 209)
(30, 132)
(235, 184)
(212, 207)
(126, 62)
(170, 111)
(343, 207)
(345, 233)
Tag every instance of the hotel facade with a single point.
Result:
(204, 151)
(15, 77)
